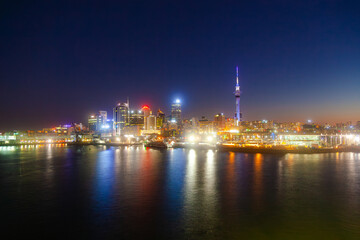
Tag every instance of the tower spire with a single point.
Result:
(237, 75)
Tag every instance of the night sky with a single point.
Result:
(61, 60)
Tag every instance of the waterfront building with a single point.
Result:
(176, 111)
(120, 117)
(150, 126)
(133, 131)
(8, 138)
(205, 125)
(107, 129)
(170, 129)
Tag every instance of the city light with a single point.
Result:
(234, 131)
(174, 130)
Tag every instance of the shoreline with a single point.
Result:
(284, 151)
(266, 150)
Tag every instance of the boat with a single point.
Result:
(156, 144)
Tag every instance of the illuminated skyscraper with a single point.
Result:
(92, 123)
(121, 117)
(237, 98)
(160, 119)
(101, 119)
(176, 111)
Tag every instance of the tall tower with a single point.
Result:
(237, 98)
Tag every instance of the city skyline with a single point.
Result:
(180, 119)
(297, 61)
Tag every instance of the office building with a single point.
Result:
(136, 118)
(160, 119)
(101, 119)
(219, 121)
(120, 118)
(176, 111)
(92, 121)
(146, 112)
(151, 122)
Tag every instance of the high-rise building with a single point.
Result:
(136, 118)
(237, 98)
(101, 119)
(176, 111)
(151, 122)
(92, 123)
(121, 117)
(160, 119)
(147, 112)
(219, 121)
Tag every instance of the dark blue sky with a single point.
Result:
(60, 60)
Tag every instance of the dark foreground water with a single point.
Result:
(135, 193)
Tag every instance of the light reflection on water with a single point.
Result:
(132, 192)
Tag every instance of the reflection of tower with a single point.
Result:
(237, 98)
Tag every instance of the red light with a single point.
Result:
(145, 107)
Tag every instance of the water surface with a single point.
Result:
(132, 192)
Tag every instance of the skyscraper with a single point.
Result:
(219, 121)
(176, 111)
(92, 123)
(160, 119)
(121, 117)
(151, 122)
(237, 98)
(101, 119)
(147, 112)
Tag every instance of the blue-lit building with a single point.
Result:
(101, 121)
(176, 111)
